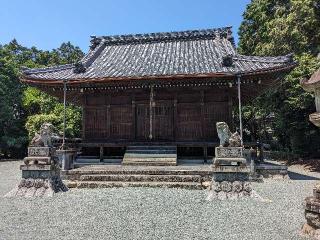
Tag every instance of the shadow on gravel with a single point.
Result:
(298, 176)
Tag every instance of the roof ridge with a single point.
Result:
(223, 32)
(28, 71)
(266, 59)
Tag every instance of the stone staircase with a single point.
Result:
(138, 176)
(150, 155)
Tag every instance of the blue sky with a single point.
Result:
(46, 24)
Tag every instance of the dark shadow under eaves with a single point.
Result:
(298, 176)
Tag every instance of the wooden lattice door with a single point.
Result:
(142, 121)
(163, 121)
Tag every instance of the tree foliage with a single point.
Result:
(23, 109)
(278, 27)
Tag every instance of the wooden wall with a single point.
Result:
(178, 115)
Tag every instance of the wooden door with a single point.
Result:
(189, 122)
(142, 121)
(121, 122)
(163, 120)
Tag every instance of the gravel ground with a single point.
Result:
(144, 213)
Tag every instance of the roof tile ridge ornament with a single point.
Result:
(223, 32)
(93, 53)
(79, 68)
(227, 60)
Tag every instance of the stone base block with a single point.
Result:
(38, 181)
(230, 173)
(230, 190)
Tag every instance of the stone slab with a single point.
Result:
(231, 177)
(231, 169)
(40, 151)
(36, 160)
(41, 167)
(230, 161)
(229, 152)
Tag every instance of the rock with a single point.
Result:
(237, 186)
(207, 185)
(313, 204)
(216, 186)
(226, 186)
(247, 187)
(313, 219)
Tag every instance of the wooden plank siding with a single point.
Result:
(185, 115)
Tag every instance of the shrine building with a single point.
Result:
(158, 89)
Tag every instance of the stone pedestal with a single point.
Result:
(312, 214)
(40, 174)
(230, 182)
(230, 178)
(229, 156)
(66, 158)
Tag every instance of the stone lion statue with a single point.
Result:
(223, 133)
(226, 137)
(44, 137)
(235, 140)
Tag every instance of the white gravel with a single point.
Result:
(144, 213)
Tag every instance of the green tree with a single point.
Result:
(12, 118)
(24, 107)
(277, 27)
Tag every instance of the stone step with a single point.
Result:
(151, 151)
(106, 184)
(142, 178)
(134, 170)
(151, 147)
(149, 155)
(128, 162)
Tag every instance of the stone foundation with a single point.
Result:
(312, 215)
(230, 182)
(40, 178)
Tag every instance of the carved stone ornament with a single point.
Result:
(226, 137)
(44, 137)
(223, 133)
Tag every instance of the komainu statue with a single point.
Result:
(41, 170)
(226, 137)
(44, 137)
(223, 133)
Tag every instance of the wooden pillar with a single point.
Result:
(240, 108)
(203, 130)
(83, 135)
(151, 113)
(230, 103)
(175, 116)
(205, 153)
(101, 153)
(134, 132)
(108, 121)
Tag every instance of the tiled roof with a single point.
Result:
(200, 52)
